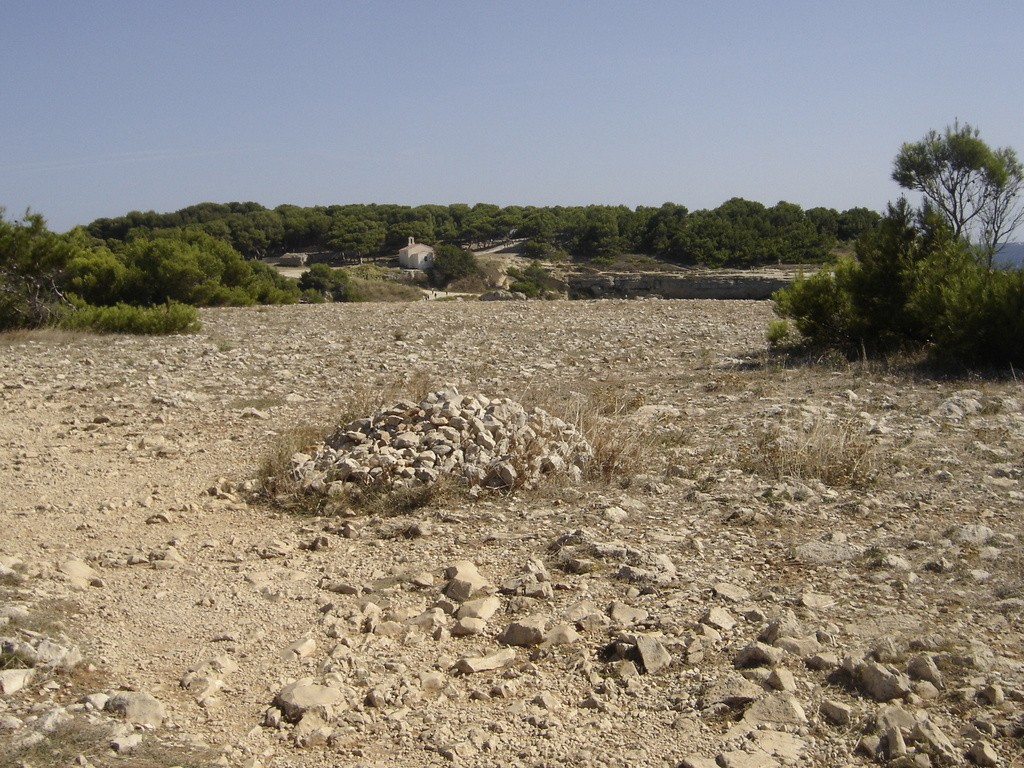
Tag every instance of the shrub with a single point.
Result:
(329, 283)
(452, 263)
(972, 315)
(532, 281)
(819, 306)
(172, 317)
(779, 334)
(32, 260)
(912, 285)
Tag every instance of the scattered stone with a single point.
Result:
(126, 743)
(626, 615)
(757, 655)
(13, 680)
(731, 592)
(653, 655)
(137, 707)
(484, 608)
(300, 649)
(781, 679)
(938, 743)
(302, 696)
(880, 682)
(923, 667)
(836, 711)
(468, 626)
(816, 602)
(776, 709)
(982, 753)
(464, 581)
(81, 574)
(799, 646)
(525, 632)
(719, 618)
(471, 664)
(737, 759)
(732, 691)
(562, 634)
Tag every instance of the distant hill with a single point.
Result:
(1010, 255)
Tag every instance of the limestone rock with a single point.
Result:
(137, 707)
(983, 754)
(880, 682)
(525, 632)
(719, 618)
(483, 608)
(732, 691)
(81, 574)
(471, 664)
(464, 581)
(836, 711)
(923, 667)
(297, 698)
(13, 680)
(776, 709)
(653, 655)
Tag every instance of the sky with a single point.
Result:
(108, 107)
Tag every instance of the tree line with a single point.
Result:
(148, 283)
(738, 233)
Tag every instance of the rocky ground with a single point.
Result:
(790, 565)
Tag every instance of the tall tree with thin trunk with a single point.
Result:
(975, 188)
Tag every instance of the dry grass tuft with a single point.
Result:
(604, 413)
(50, 337)
(78, 740)
(385, 290)
(383, 500)
(274, 473)
(838, 452)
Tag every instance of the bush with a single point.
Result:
(973, 315)
(819, 306)
(172, 317)
(452, 263)
(333, 284)
(912, 285)
(532, 281)
(32, 261)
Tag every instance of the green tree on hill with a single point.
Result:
(452, 263)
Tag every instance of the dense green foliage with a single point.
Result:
(32, 260)
(737, 233)
(918, 280)
(173, 317)
(79, 281)
(532, 281)
(452, 263)
(327, 283)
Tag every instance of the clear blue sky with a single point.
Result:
(109, 107)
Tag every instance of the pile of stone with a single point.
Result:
(491, 443)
